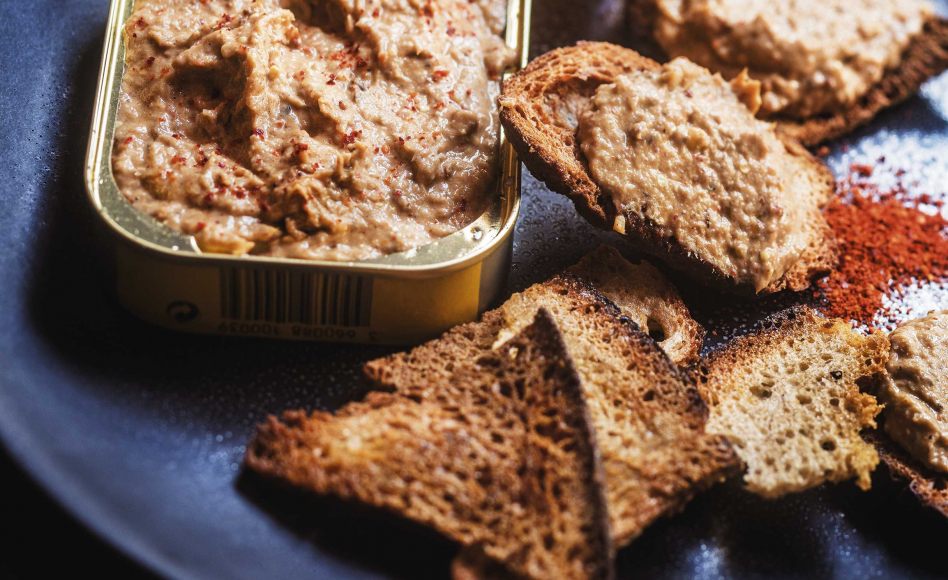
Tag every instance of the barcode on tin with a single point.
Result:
(288, 297)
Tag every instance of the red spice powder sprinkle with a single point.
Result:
(885, 243)
(862, 169)
(351, 137)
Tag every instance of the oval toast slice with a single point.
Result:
(540, 110)
(925, 57)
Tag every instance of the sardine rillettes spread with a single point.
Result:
(315, 129)
(915, 392)
(681, 148)
(811, 56)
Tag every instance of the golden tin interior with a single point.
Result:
(451, 252)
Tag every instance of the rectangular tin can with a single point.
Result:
(161, 275)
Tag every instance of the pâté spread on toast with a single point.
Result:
(826, 67)
(680, 148)
(672, 157)
(811, 56)
(915, 390)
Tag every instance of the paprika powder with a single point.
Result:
(886, 244)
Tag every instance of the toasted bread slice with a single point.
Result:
(540, 108)
(647, 297)
(786, 396)
(925, 57)
(647, 414)
(503, 458)
(929, 486)
(471, 563)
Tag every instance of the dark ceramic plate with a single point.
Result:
(140, 432)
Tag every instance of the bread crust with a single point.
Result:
(925, 57)
(545, 339)
(539, 108)
(929, 487)
(697, 461)
(644, 294)
(500, 449)
(545, 138)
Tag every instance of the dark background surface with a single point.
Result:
(140, 432)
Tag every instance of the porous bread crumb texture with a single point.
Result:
(651, 301)
(646, 413)
(788, 399)
(540, 107)
(924, 58)
(561, 470)
(502, 458)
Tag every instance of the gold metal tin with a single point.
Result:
(164, 278)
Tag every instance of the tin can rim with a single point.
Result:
(180, 247)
